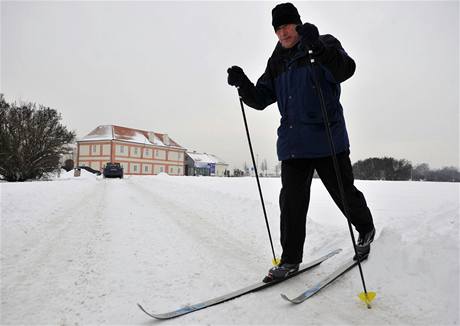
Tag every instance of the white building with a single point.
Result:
(204, 164)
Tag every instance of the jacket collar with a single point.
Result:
(291, 54)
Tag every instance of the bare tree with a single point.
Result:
(278, 169)
(264, 167)
(31, 140)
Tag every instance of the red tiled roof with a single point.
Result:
(109, 132)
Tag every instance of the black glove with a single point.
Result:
(236, 76)
(309, 38)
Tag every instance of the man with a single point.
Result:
(303, 145)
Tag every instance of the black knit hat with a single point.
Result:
(285, 13)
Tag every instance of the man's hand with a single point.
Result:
(309, 38)
(236, 76)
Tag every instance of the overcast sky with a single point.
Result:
(161, 66)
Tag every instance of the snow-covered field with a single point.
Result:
(85, 250)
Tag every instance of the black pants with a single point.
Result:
(296, 177)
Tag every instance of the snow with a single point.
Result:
(85, 250)
(137, 137)
(156, 140)
(83, 175)
(100, 133)
(110, 132)
(204, 158)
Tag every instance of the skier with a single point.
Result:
(302, 145)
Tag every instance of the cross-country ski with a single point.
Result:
(235, 294)
(342, 269)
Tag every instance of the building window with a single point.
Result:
(147, 153)
(94, 148)
(135, 150)
(146, 168)
(161, 169)
(122, 149)
(135, 168)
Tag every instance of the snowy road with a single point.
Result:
(85, 251)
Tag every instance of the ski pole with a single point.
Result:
(346, 210)
(275, 260)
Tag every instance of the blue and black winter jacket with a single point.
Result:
(288, 81)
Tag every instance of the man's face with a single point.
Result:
(287, 35)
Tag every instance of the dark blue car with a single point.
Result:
(113, 170)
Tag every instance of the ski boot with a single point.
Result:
(280, 272)
(363, 246)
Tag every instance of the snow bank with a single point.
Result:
(162, 175)
(83, 175)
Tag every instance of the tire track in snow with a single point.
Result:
(210, 237)
(194, 253)
(46, 280)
